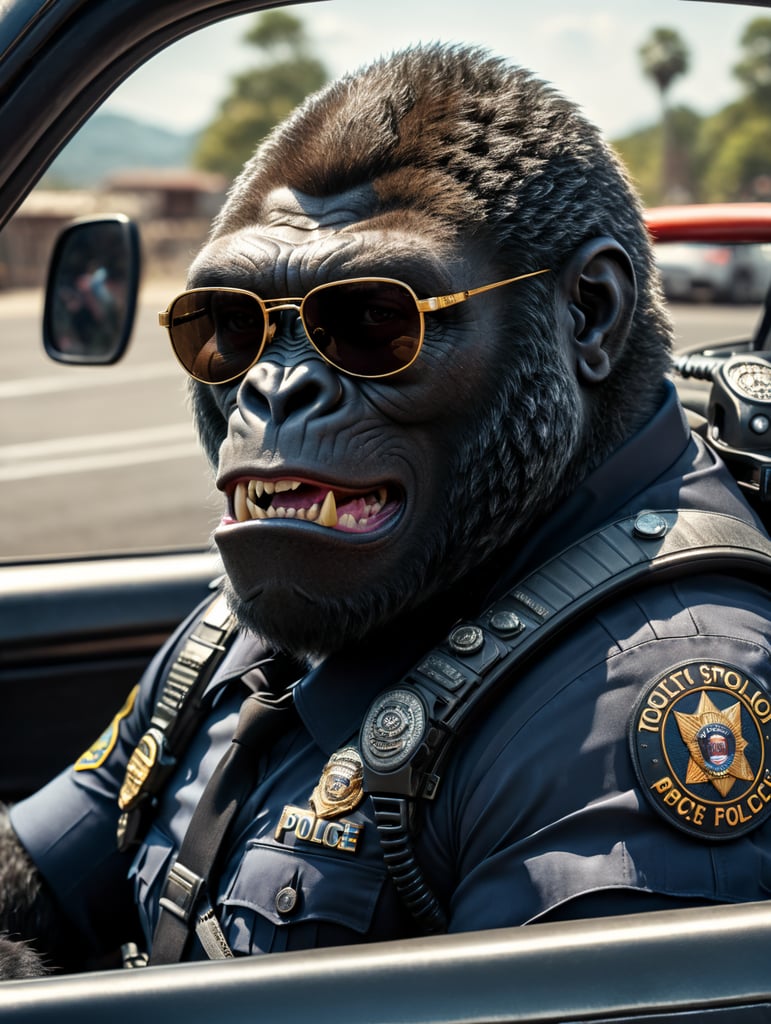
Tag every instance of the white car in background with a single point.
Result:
(708, 272)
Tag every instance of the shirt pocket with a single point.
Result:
(287, 898)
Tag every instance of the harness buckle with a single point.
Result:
(181, 891)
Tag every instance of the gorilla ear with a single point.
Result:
(600, 290)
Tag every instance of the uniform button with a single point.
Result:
(650, 526)
(507, 624)
(286, 900)
(466, 639)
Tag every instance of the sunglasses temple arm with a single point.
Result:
(442, 301)
(164, 320)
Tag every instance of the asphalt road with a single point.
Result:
(105, 459)
(97, 458)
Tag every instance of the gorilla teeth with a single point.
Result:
(328, 514)
(256, 499)
(240, 507)
(257, 488)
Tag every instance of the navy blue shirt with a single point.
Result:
(542, 813)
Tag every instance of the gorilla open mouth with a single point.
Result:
(312, 502)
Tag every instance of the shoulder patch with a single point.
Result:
(700, 738)
(99, 751)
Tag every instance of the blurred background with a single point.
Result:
(104, 459)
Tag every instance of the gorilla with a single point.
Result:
(444, 168)
(424, 336)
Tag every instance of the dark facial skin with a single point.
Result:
(407, 442)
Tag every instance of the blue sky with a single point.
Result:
(588, 49)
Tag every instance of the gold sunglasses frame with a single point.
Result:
(268, 306)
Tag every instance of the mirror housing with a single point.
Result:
(91, 292)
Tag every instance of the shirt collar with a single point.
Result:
(333, 698)
(615, 488)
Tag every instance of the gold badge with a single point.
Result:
(340, 787)
(140, 764)
(716, 745)
(99, 751)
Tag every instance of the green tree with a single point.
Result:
(664, 57)
(737, 140)
(260, 98)
(754, 68)
(740, 168)
(641, 152)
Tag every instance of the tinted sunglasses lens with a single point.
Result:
(367, 328)
(216, 334)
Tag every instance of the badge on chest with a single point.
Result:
(340, 789)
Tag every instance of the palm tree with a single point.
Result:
(664, 58)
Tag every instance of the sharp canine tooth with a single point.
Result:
(254, 510)
(256, 489)
(382, 495)
(328, 514)
(239, 503)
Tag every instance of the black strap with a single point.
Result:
(174, 719)
(185, 902)
(410, 729)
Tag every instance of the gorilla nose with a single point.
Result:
(307, 389)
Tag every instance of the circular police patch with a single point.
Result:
(701, 744)
(393, 729)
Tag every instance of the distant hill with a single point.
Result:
(111, 142)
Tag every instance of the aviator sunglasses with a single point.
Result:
(364, 326)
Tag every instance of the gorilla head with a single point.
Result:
(353, 496)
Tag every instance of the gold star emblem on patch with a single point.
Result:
(716, 745)
(341, 786)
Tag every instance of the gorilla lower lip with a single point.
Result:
(361, 512)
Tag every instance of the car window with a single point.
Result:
(104, 459)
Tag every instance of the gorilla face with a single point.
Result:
(350, 500)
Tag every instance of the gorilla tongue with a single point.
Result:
(257, 499)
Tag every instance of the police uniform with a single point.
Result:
(624, 770)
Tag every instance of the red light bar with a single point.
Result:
(710, 222)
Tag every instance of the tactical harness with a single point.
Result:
(409, 730)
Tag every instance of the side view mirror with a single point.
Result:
(91, 294)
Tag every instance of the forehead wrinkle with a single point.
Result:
(317, 212)
(233, 260)
(357, 251)
(394, 254)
